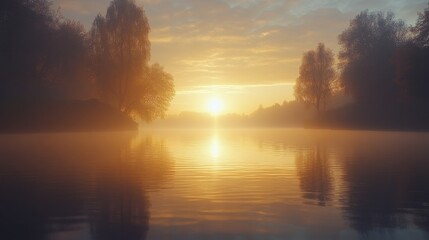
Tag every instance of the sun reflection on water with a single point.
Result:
(215, 147)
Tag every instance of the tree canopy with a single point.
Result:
(315, 83)
(41, 54)
(368, 46)
(421, 29)
(120, 51)
(411, 64)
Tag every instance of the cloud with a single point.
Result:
(228, 89)
(214, 42)
(248, 42)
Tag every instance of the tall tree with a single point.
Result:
(412, 75)
(411, 65)
(26, 30)
(315, 83)
(421, 30)
(70, 76)
(121, 52)
(368, 46)
(42, 56)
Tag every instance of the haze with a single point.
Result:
(239, 50)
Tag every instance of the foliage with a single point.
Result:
(411, 65)
(412, 74)
(71, 75)
(156, 93)
(41, 55)
(121, 51)
(46, 57)
(316, 80)
(365, 59)
(421, 30)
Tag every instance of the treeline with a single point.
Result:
(287, 114)
(46, 58)
(382, 64)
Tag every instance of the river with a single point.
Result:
(215, 184)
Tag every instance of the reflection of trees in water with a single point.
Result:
(418, 198)
(122, 204)
(19, 219)
(383, 188)
(50, 185)
(38, 182)
(314, 173)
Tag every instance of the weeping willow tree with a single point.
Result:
(120, 60)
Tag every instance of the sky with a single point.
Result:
(245, 53)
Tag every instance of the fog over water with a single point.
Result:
(215, 184)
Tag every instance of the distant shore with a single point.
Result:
(62, 116)
(354, 117)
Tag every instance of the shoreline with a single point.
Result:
(62, 116)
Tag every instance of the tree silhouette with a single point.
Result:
(70, 76)
(411, 61)
(121, 52)
(421, 30)
(41, 54)
(315, 83)
(366, 57)
(412, 75)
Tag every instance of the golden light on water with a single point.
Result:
(215, 147)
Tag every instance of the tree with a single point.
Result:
(42, 56)
(316, 80)
(153, 94)
(70, 76)
(121, 51)
(421, 30)
(366, 64)
(412, 75)
(411, 65)
(26, 30)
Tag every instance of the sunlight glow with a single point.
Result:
(215, 106)
(215, 147)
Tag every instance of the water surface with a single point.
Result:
(215, 184)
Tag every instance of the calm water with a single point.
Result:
(215, 184)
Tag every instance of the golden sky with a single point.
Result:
(244, 52)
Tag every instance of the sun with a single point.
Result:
(215, 106)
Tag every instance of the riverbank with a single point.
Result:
(353, 117)
(62, 116)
